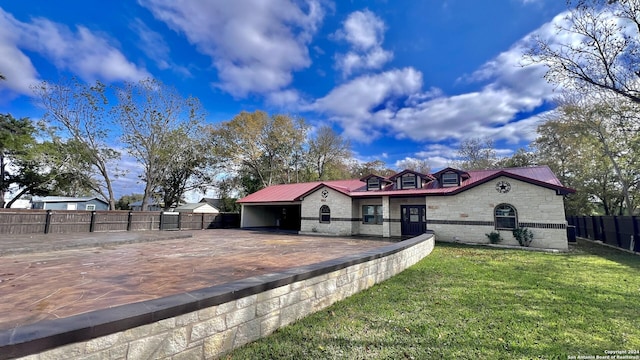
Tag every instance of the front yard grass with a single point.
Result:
(464, 302)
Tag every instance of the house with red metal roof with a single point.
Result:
(456, 205)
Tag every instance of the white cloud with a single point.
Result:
(152, 43)
(438, 156)
(285, 98)
(364, 31)
(394, 103)
(154, 46)
(255, 45)
(353, 104)
(90, 56)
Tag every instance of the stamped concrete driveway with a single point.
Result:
(53, 284)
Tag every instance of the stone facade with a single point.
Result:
(468, 216)
(465, 217)
(211, 332)
(342, 219)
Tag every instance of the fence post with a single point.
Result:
(635, 240)
(618, 239)
(179, 221)
(202, 222)
(47, 222)
(92, 224)
(129, 219)
(161, 220)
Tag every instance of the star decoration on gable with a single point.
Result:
(503, 187)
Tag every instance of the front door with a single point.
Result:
(414, 219)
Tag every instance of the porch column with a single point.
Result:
(242, 216)
(386, 217)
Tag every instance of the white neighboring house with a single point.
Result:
(199, 208)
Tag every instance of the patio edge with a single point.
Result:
(212, 321)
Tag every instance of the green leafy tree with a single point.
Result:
(124, 201)
(593, 147)
(151, 114)
(16, 141)
(521, 158)
(614, 126)
(80, 112)
(259, 149)
(36, 168)
(189, 167)
(226, 189)
(566, 152)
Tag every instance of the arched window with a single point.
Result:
(506, 217)
(325, 214)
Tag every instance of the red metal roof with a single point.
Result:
(293, 192)
(538, 175)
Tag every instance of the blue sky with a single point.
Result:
(400, 79)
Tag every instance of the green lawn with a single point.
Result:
(464, 302)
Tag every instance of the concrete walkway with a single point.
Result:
(125, 268)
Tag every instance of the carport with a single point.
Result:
(285, 216)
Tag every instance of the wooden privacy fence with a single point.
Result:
(21, 221)
(619, 231)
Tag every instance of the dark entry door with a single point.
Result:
(290, 217)
(414, 219)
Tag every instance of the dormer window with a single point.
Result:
(450, 179)
(409, 181)
(373, 183)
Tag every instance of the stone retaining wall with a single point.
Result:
(211, 322)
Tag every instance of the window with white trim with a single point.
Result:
(372, 214)
(373, 183)
(506, 217)
(409, 181)
(325, 214)
(450, 179)
(90, 207)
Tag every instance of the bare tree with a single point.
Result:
(602, 51)
(419, 165)
(81, 111)
(327, 148)
(477, 154)
(151, 115)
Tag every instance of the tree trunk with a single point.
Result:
(1, 181)
(15, 198)
(618, 171)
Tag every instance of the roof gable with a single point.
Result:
(381, 178)
(193, 206)
(295, 192)
(426, 177)
(463, 174)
